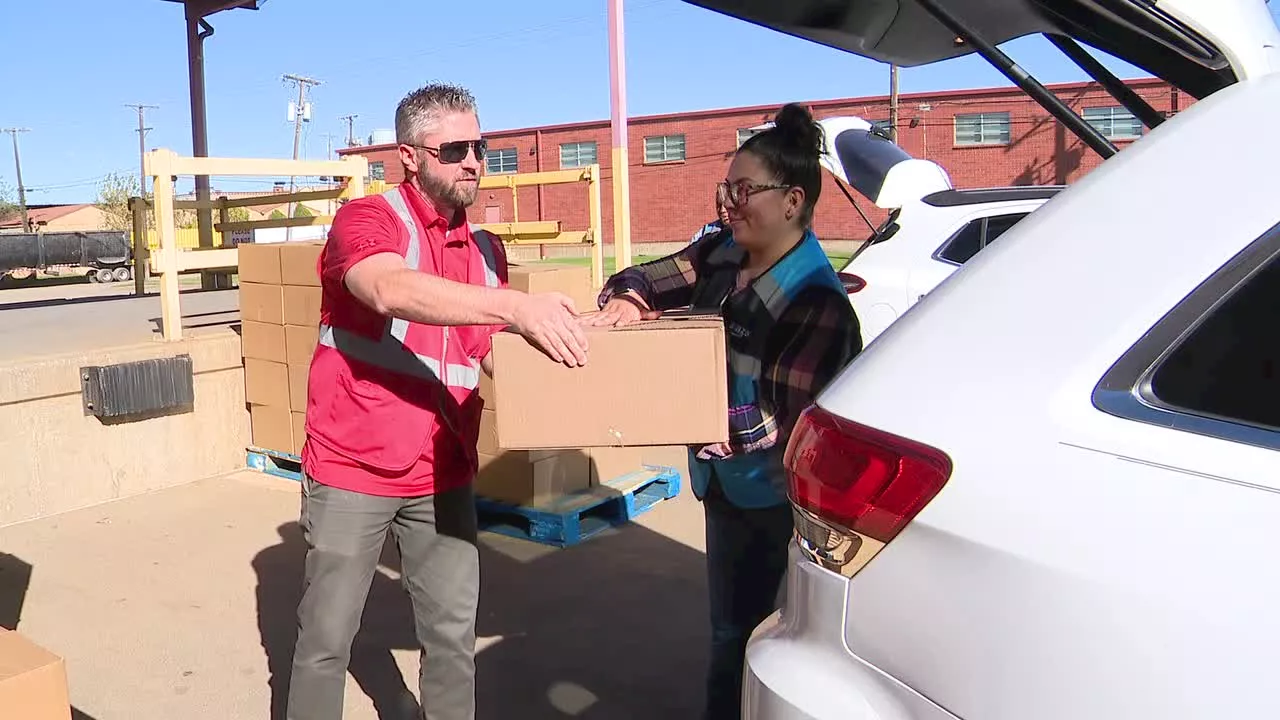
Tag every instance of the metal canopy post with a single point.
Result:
(1041, 94)
(198, 29)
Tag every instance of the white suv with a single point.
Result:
(1051, 490)
(932, 228)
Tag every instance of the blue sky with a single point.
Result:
(70, 85)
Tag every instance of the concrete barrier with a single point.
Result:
(55, 458)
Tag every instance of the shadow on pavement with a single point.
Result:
(614, 628)
(15, 580)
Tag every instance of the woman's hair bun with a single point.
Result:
(796, 123)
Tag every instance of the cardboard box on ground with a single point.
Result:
(280, 314)
(33, 681)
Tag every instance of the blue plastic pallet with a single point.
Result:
(576, 517)
(563, 522)
(274, 462)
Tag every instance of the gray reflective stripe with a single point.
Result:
(401, 208)
(486, 240)
(389, 352)
(399, 326)
(397, 359)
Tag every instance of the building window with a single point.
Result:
(377, 170)
(1115, 123)
(990, 128)
(663, 148)
(745, 134)
(577, 154)
(501, 161)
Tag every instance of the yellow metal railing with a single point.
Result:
(186, 239)
(170, 258)
(543, 232)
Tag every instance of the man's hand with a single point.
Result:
(549, 321)
(619, 312)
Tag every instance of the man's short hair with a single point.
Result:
(422, 108)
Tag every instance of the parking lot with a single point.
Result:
(180, 604)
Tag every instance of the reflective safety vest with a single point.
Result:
(387, 399)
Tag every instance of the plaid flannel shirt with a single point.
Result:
(811, 336)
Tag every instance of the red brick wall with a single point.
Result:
(670, 201)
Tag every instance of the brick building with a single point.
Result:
(982, 138)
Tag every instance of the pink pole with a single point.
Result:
(619, 157)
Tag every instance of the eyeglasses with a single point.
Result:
(456, 151)
(738, 194)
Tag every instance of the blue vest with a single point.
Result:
(754, 480)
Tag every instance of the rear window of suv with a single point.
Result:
(976, 235)
(1229, 366)
(1211, 366)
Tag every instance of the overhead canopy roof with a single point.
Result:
(209, 7)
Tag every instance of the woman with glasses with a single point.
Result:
(790, 329)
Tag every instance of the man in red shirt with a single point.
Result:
(411, 298)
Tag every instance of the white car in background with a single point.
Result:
(932, 228)
(1051, 490)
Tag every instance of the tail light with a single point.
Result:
(852, 283)
(854, 488)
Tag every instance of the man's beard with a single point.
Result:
(448, 192)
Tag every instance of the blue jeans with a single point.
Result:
(746, 562)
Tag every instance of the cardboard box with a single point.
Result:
(572, 280)
(33, 681)
(259, 263)
(301, 306)
(613, 463)
(261, 341)
(661, 382)
(298, 421)
(300, 343)
(486, 391)
(514, 477)
(272, 428)
(299, 263)
(266, 383)
(262, 303)
(298, 377)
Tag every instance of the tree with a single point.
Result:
(238, 214)
(302, 211)
(276, 214)
(113, 201)
(7, 205)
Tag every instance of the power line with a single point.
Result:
(17, 161)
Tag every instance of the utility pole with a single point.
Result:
(22, 191)
(893, 102)
(142, 145)
(350, 120)
(302, 83)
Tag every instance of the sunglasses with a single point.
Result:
(738, 194)
(456, 151)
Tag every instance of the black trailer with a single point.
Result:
(107, 254)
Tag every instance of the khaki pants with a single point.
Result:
(345, 532)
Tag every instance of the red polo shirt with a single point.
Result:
(366, 227)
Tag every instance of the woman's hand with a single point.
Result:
(620, 312)
(719, 451)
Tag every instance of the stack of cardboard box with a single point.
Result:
(280, 321)
(552, 449)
